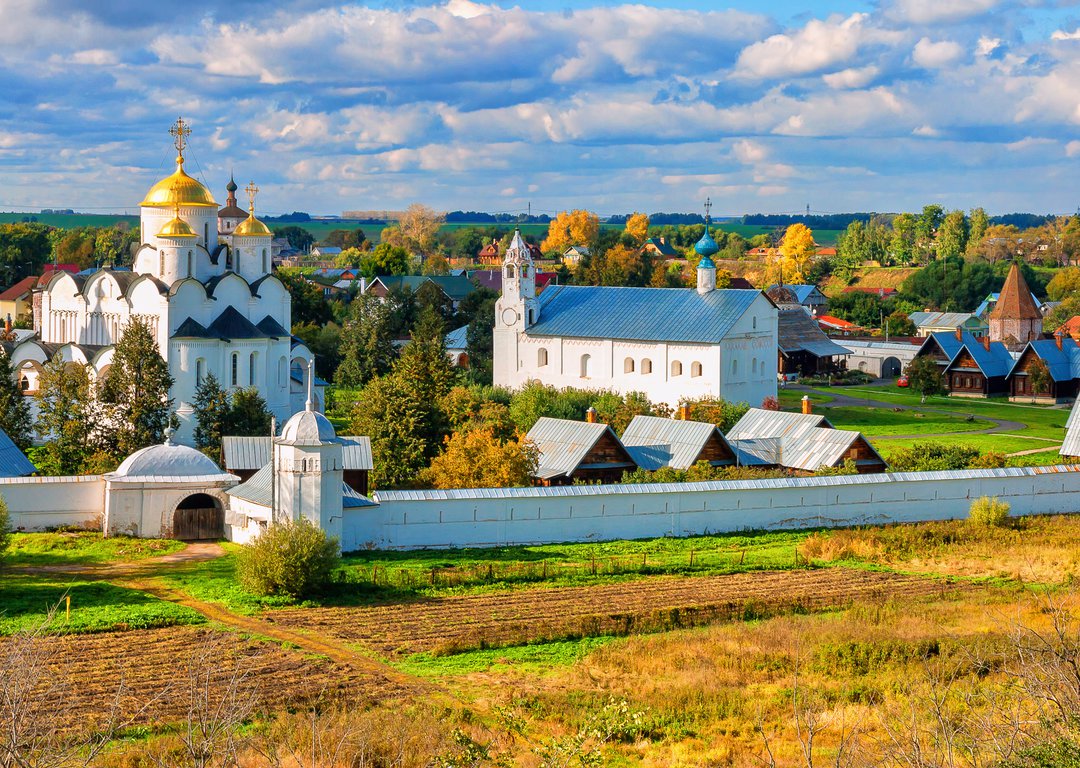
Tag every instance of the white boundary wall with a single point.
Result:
(37, 503)
(506, 516)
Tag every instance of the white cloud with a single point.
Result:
(1060, 34)
(934, 55)
(936, 11)
(1072, 149)
(987, 45)
(855, 77)
(818, 45)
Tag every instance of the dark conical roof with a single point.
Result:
(1015, 301)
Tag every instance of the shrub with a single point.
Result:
(293, 559)
(5, 528)
(929, 456)
(989, 512)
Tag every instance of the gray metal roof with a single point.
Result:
(642, 314)
(798, 332)
(247, 453)
(1071, 445)
(942, 319)
(757, 422)
(457, 338)
(257, 491)
(13, 463)
(564, 444)
(793, 440)
(654, 442)
(830, 481)
(899, 346)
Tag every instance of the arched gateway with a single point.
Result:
(197, 518)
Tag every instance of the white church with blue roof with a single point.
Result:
(671, 344)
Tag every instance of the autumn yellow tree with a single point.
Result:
(637, 226)
(577, 227)
(419, 224)
(790, 262)
(476, 458)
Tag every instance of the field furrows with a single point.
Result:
(645, 605)
(159, 675)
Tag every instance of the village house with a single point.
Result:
(16, 303)
(929, 323)
(584, 451)
(455, 288)
(660, 248)
(573, 255)
(808, 296)
(971, 366)
(1061, 356)
(654, 442)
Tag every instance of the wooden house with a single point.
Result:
(972, 367)
(803, 348)
(1061, 356)
(655, 442)
(584, 451)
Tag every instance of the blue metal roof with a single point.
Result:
(995, 361)
(640, 314)
(1063, 364)
(457, 338)
(13, 463)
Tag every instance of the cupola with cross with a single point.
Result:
(706, 248)
(251, 242)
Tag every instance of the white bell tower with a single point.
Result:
(515, 312)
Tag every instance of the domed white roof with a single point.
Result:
(167, 460)
(307, 428)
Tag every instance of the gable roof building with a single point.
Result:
(973, 367)
(660, 248)
(810, 296)
(803, 347)
(454, 287)
(1061, 356)
(578, 450)
(656, 442)
(927, 323)
(1015, 319)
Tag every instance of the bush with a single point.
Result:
(989, 512)
(293, 559)
(932, 457)
(5, 528)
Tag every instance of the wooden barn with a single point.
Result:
(583, 451)
(655, 442)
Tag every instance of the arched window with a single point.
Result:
(753, 322)
(646, 366)
(282, 371)
(251, 369)
(541, 357)
(206, 235)
(628, 365)
(24, 382)
(236, 261)
(676, 368)
(161, 263)
(234, 377)
(509, 270)
(190, 264)
(586, 362)
(200, 366)
(264, 260)
(531, 319)
(753, 366)
(524, 270)
(734, 367)
(695, 369)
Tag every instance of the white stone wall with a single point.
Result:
(37, 503)
(598, 513)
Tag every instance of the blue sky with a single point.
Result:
(763, 106)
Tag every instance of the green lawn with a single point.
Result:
(1000, 443)
(538, 658)
(880, 421)
(26, 601)
(215, 581)
(81, 548)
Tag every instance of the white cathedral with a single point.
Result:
(671, 344)
(202, 278)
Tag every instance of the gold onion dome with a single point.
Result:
(252, 227)
(179, 189)
(176, 227)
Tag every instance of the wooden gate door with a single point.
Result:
(198, 524)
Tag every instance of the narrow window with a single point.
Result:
(753, 366)
(161, 263)
(199, 372)
(235, 377)
(264, 260)
(695, 369)
(509, 270)
(190, 264)
(646, 366)
(206, 235)
(282, 369)
(585, 364)
(541, 357)
(628, 365)
(251, 370)
(753, 321)
(734, 367)
(676, 368)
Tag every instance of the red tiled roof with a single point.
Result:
(835, 322)
(1070, 327)
(20, 288)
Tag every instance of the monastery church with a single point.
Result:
(202, 279)
(669, 343)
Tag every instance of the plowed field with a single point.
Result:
(154, 675)
(645, 605)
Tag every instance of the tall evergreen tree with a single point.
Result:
(65, 407)
(135, 394)
(15, 416)
(367, 341)
(248, 415)
(211, 413)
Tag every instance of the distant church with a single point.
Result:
(669, 343)
(203, 280)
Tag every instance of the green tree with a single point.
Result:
(924, 376)
(295, 559)
(325, 343)
(902, 242)
(899, 324)
(952, 236)
(978, 222)
(395, 420)
(480, 341)
(1064, 283)
(211, 413)
(1040, 379)
(15, 417)
(135, 394)
(308, 303)
(476, 458)
(367, 341)
(722, 413)
(385, 259)
(298, 237)
(248, 415)
(926, 226)
(24, 249)
(108, 246)
(65, 409)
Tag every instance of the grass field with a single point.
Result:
(31, 549)
(875, 422)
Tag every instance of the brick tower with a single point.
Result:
(1015, 320)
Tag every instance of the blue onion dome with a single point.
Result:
(706, 247)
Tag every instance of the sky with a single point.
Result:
(839, 105)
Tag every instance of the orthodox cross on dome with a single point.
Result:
(252, 191)
(708, 207)
(180, 131)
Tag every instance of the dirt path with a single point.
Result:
(195, 552)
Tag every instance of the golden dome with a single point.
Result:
(252, 227)
(179, 189)
(176, 227)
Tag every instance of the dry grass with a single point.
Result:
(1044, 550)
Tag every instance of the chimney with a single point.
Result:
(590, 415)
(959, 334)
(1059, 337)
(663, 240)
(986, 343)
(684, 411)
(807, 407)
